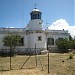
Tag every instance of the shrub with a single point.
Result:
(70, 56)
(62, 44)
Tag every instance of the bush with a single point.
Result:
(70, 56)
(6, 54)
(62, 45)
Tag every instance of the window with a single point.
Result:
(22, 42)
(39, 38)
(50, 41)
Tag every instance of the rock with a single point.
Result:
(44, 52)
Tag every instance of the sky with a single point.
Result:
(56, 14)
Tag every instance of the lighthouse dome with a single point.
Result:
(35, 14)
(36, 10)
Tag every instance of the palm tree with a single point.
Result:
(12, 41)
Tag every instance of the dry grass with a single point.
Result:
(59, 65)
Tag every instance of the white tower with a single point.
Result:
(35, 22)
(35, 33)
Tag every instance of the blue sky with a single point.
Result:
(16, 13)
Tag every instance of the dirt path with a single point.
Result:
(22, 72)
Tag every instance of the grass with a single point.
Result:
(59, 65)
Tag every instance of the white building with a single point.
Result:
(34, 34)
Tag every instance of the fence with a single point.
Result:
(59, 64)
(8, 58)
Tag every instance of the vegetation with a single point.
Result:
(70, 56)
(62, 44)
(71, 42)
(65, 44)
(12, 41)
(57, 67)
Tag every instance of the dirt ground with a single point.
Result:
(25, 72)
(59, 65)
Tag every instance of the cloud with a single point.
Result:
(9, 27)
(62, 24)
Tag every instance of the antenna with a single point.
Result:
(47, 24)
(35, 5)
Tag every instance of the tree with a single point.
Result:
(65, 44)
(71, 42)
(12, 41)
(62, 44)
(73, 46)
(70, 38)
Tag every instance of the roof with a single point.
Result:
(35, 9)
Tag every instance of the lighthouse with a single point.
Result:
(35, 22)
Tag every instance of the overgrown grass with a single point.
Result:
(59, 65)
(71, 56)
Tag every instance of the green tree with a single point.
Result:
(12, 41)
(70, 38)
(73, 44)
(62, 44)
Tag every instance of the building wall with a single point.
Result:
(34, 25)
(1, 40)
(55, 34)
(7, 31)
(33, 39)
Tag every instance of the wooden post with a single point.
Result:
(48, 62)
(48, 57)
(35, 56)
(10, 58)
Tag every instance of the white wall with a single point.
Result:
(57, 34)
(33, 39)
(34, 25)
(1, 40)
(22, 34)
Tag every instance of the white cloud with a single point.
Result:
(9, 27)
(62, 24)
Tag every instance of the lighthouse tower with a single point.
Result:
(34, 31)
(35, 22)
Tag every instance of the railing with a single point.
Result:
(22, 51)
